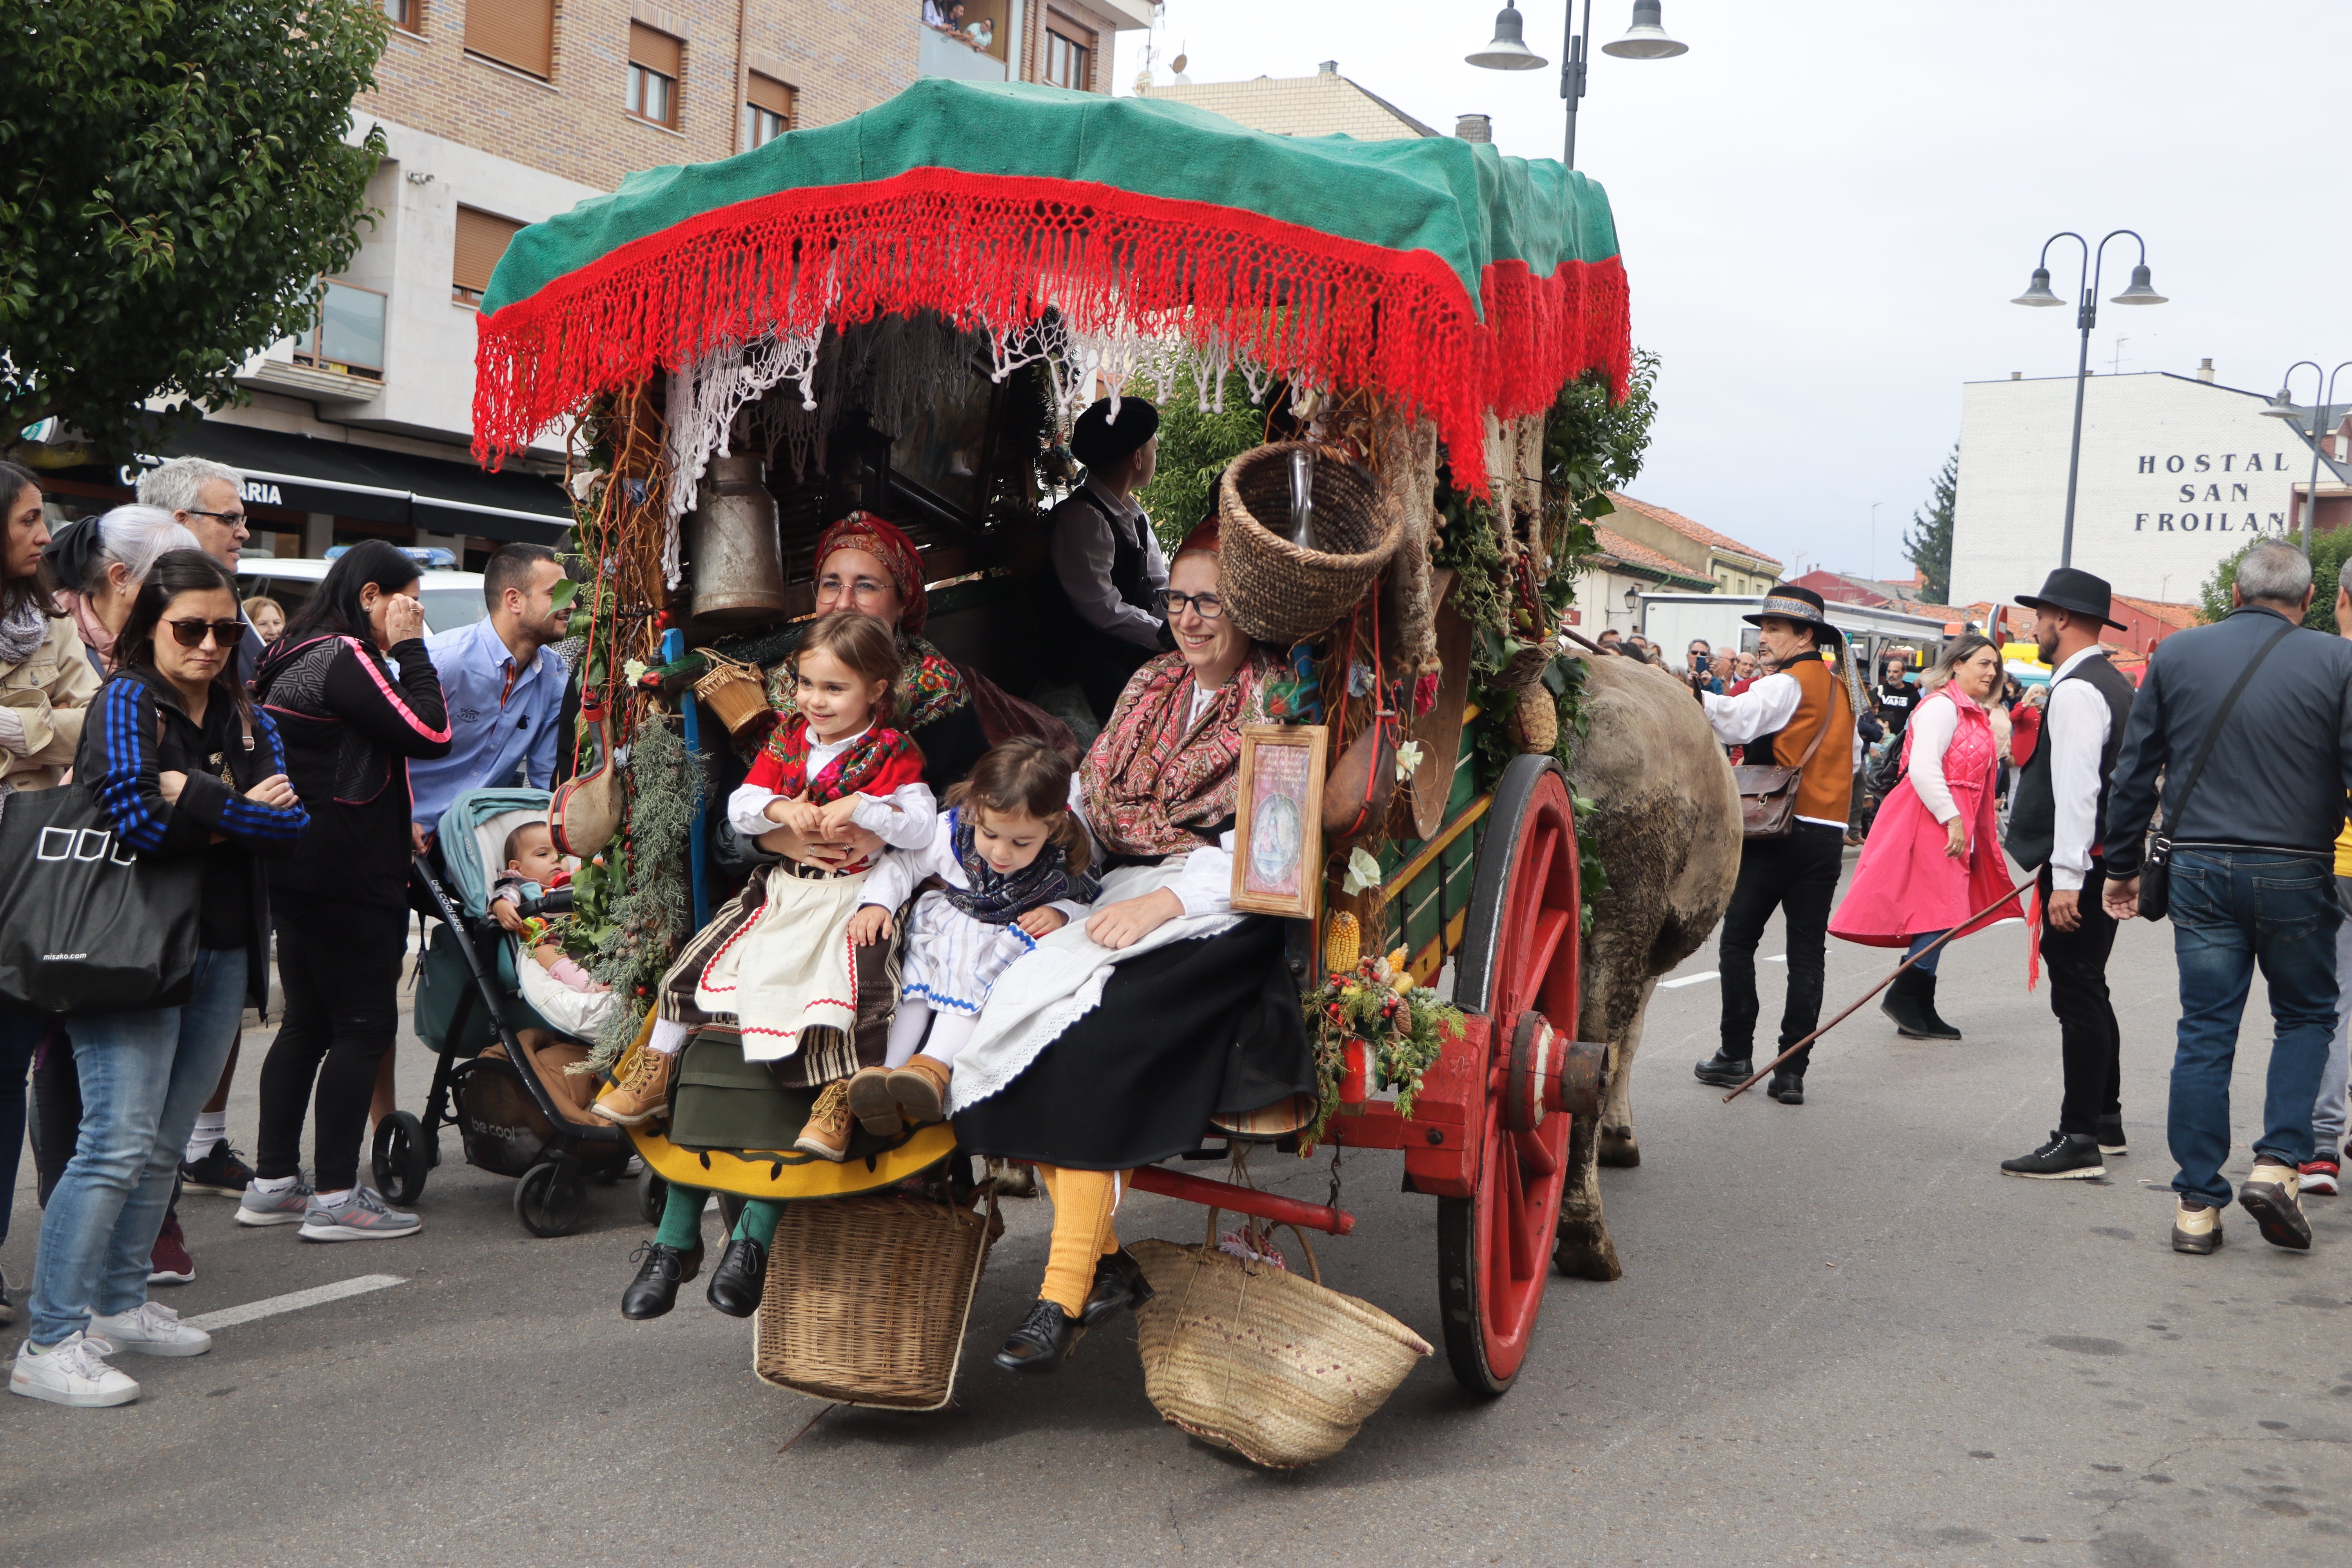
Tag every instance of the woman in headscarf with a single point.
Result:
(1199, 1018)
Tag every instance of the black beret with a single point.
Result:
(1096, 440)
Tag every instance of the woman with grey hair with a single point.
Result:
(98, 563)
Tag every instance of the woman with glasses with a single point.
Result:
(353, 685)
(184, 767)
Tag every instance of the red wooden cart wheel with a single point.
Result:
(1519, 953)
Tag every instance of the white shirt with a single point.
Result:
(901, 819)
(1083, 552)
(2075, 728)
(1765, 708)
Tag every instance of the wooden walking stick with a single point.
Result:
(1883, 985)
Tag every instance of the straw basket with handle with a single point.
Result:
(867, 1298)
(1283, 593)
(1252, 1358)
(733, 692)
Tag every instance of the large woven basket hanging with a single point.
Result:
(1252, 1358)
(1283, 593)
(867, 1298)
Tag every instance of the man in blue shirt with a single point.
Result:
(503, 682)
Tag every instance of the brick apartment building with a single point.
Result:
(500, 113)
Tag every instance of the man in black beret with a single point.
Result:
(1107, 562)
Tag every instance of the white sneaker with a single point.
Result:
(362, 1217)
(152, 1329)
(70, 1372)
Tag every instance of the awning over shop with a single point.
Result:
(306, 474)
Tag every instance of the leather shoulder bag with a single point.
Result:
(1768, 791)
(2155, 870)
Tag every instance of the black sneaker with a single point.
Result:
(1788, 1088)
(2067, 1157)
(220, 1173)
(1725, 1072)
(2111, 1136)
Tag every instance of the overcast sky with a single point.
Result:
(1825, 208)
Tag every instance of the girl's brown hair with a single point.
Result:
(859, 641)
(1024, 776)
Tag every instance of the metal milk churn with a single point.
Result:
(738, 564)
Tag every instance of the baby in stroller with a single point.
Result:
(532, 862)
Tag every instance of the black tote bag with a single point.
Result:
(87, 923)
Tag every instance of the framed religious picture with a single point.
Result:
(1278, 821)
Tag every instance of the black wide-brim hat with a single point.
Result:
(1785, 603)
(2072, 589)
(1096, 439)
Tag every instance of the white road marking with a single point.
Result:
(295, 1301)
(1778, 958)
(1689, 980)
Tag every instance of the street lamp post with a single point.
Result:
(1646, 39)
(2282, 407)
(2086, 316)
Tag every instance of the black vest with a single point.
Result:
(1084, 651)
(2033, 813)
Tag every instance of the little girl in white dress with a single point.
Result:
(1010, 855)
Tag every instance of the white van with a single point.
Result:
(452, 598)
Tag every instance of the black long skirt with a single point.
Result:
(1196, 1029)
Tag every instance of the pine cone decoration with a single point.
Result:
(1536, 720)
(1343, 943)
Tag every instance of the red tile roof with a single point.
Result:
(1698, 531)
(1615, 544)
(2179, 616)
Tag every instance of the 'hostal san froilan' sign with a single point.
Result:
(2230, 480)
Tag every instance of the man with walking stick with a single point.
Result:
(1801, 716)
(2254, 717)
(2057, 823)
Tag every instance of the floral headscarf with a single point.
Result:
(888, 544)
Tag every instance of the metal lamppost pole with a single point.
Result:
(2086, 316)
(1646, 39)
(2282, 407)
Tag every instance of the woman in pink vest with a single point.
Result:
(1934, 855)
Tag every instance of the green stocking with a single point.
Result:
(759, 1221)
(681, 1221)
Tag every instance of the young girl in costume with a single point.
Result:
(779, 960)
(1011, 855)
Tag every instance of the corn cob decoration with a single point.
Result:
(1343, 943)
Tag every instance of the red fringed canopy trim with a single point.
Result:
(994, 251)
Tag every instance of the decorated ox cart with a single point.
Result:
(902, 314)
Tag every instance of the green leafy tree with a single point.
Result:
(2329, 553)
(1929, 542)
(174, 179)
(1195, 448)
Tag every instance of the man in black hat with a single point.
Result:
(1800, 716)
(2058, 822)
(1106, 562)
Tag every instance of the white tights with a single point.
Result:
(949, 1033)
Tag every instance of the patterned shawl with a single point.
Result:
(929, 685)
(999, 898)
(847, 774)
(1149, 778)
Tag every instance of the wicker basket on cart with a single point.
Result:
(1251, 1357)
(1283, 593)
(867, 1298)
(733, 691)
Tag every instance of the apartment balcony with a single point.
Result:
(338, 359)
(946, 55)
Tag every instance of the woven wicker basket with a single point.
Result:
(1255, 1359)
(867, 1298)
(733, 692)
(1277, 591)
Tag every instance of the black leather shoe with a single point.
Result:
(655, 1289)
(1118, 1283)
(1788, 1088)
(1727, 1072)
(1042, 1342)
(740, 1279)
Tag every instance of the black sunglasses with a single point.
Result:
(233, 518)
(192, 633)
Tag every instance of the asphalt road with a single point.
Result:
(1841, 1337)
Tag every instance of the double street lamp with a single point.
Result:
(1646, 39)
(2282, 407)
(2086, 316)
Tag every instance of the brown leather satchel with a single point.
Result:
(1768, 791)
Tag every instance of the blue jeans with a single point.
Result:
(20, 1033)
(2233, 909)
(1920, 943)
(144, 1076)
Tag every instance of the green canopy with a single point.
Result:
(1432, 270)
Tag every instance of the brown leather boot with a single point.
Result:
(871, 1102)
(826, 1136)
(920, 1090)
(643, 1093)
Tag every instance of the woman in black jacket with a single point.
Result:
(351, 720)
(184, 768)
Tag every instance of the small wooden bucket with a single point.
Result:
(733, 692)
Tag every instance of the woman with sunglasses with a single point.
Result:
(354, 719)
(184, 766)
